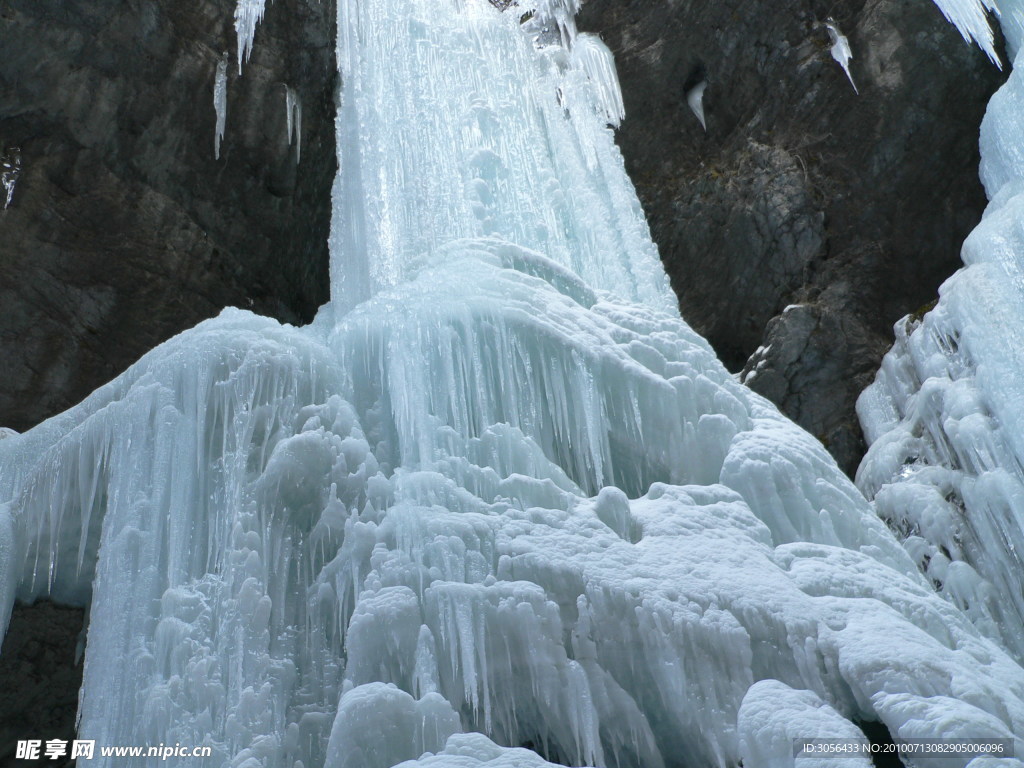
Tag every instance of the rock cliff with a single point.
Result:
(122, 228)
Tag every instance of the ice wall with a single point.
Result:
(944, 416)
(501, 140)
(498, 506)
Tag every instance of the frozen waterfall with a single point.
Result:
(944, 417)
(498, 505)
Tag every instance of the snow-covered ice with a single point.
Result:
(498, 505)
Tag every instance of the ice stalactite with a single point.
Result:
(293, 120)
(220, 103)
(248, 15)
(498, 505)
(841, 50)
(971, 17)
(695, 101)
(557, 16)
(10, 170)
(599, 65)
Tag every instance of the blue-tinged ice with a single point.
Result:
(502, 144)
(498, 505)
(597, 62)
(944, 416)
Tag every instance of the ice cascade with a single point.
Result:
(943, 418)
(498, 505)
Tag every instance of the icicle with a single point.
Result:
(971, 18)
(220, 103)
(10, 169)
(248, 14)
(293, 118)
(599, 64)
(841, 51)
(560, 13)
(298, 130)
(695, 100)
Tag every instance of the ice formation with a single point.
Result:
(220, 103)
(695, 101)
(248, 15)
(840, 50)
(293, 121)
(971, 17)
(498, 506)
(10, 170)
(599, 65)
(944, 415)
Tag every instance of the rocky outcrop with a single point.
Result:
(801, 191)
(122, 228)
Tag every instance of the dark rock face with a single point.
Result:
(122, 228)
(41, 675)
(801, 191)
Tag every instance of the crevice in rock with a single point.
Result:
(884, 754)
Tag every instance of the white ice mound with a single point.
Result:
(312, 549)
(774, 717)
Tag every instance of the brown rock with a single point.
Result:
(122, 229)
